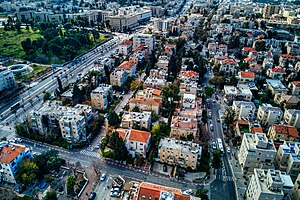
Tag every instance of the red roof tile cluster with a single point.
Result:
(287, 56)
(190, 74)
(296, 83)
(248, 49)
(126, 65)
(139, 136)
(247, 75)
(231, 61)
(278, 69)
(126, 43)
(9, 153)
(287, 130)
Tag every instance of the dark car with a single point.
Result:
(92, 196)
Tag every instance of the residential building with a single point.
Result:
(245, 77)
(228, 66)
(118, 77)
(153, 191)
(295, 87)
(148, 93)
(129, 67)
(244, 109)
(153, 82)
(137, 142)
(276, 86)
(288, 158)
(7, 80)
(276, 72)
(101, 96)
(146, 104)
(269, 184)
(73, 128)
(268, 115)
(183, 127)
(270, 9)
(189, 101)
(188, 87)
(158, 73)
(140, 119)
(288, 101)
(177, 152)
(242, 92)
(283, 132)
(11, 155)
(256, 152)
(144, 40)
(161, 25)
(125, 47)
(292, 117)
(296, 192)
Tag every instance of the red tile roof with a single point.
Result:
(126, 65)
(247, 75)
(139, 136)
(255, 67)
(278, 69)
(231, 61)
(249, 60)
(126, 43)
(296, 83)
(287, 56)
(287, 130)
(248, 49)
(257, 130)
(122, 133)
(9, 153)
(243, 122)
(148, 190)
(156, 92)
(190, 74)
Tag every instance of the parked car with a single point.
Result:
(103, 177)
(213, 145)
(228, 149)
(92, 196)
(115, 194)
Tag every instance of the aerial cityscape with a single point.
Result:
(149, 100)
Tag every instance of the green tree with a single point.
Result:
(218, 81)
(70, 184)
(51, 195)
(216, 161)
(204, 116)
(60, 86)
(113, 118)
(209, 91)
(229, 116)
(47, 96)
(77, 95)
(117, 144)
(135, 109)
(202, 193)
(27, 172)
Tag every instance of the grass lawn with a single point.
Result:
(36, 69)
(10, 41)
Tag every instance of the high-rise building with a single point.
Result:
(7, 80)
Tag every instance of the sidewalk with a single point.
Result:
(93, 180)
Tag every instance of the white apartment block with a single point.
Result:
(244, 109)
(161, 25)
(296, 192)
(256, 152)
(288, 158)
(7, 80)
(270, 184)
(177, 152)
(152, 82)
(140, 119)
(101, 96)
(292, 117)
(73, 128)
(189, 101)
(144, 40)
(118, 77)
(268, 115)
(10, 157)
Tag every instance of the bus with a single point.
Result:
(220, 145)
(15, 107)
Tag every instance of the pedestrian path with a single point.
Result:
(89, 153)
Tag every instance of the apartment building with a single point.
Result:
(153, 191)
(228, 66)
(49, 118)
(268, 115)
(129, 67)
(182, 127)
(146, 104)
(241, 92)
(153, 82)
(161, 25)
(7, 80)
(118, 77)
(140, 119)
(276, 86)
(295, 87)
(296, 192)
(158, 73)
(177, 152)
(73, 128)
(188, 87)
(125, 47)
(189, 101)
(101, 96)
(148, 93)
(283, 132)
(137, 142)
(144, 40)
(270, 9)
(292, 117)
(288, 158)
(244, 109)
(11, 155)
(245, 77)
(256, 152)
(269, 184)
(276, 72)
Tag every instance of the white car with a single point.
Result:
(228, 149)
(103, 177)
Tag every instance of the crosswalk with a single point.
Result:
(225, 178)
(89, 153)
